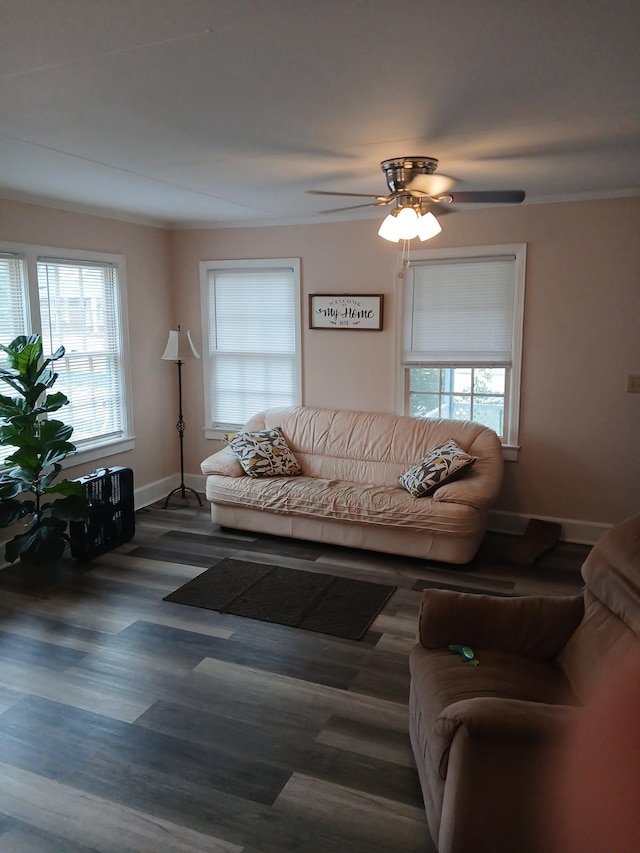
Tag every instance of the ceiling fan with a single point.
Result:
(417, 192)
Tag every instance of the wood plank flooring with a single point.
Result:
(128, 723)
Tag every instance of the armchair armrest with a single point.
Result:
(507, 719)
(498, 762)
(223, 462)
(535, 625)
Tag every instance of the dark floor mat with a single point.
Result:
(328, 604)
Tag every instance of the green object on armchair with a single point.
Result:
(466, 653)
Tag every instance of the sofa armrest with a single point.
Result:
(507, 719)
(479, 485)
(477, 493)
(535, 625)
(223, 462)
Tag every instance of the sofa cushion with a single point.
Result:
(264, 453)
(439, 465)
(336, 499)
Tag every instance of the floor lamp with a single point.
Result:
(180, 348)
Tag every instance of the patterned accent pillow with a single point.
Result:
(438, 466)
(264, 453)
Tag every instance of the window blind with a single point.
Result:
(14, 311)
(13, 314)
(79, 310)
(252, 342)
(460, 311)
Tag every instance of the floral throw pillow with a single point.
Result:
(438, 466)
(264, 453)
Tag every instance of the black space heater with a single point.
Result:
(111, 521)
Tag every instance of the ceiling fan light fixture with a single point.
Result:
(405, 223)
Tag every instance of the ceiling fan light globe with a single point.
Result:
(389, 229)
(428, 226)
(407, 220)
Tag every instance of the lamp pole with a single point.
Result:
(180, 344)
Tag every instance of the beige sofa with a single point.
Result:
(349, 492)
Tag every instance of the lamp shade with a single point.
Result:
(180, 347)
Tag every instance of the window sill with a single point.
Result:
(99, 451)
(218, 433)
(510, 452)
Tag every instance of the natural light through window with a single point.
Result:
(459, 393)
(463, 316)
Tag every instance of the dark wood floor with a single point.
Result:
(128, 723)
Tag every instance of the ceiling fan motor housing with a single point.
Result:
(402, 170)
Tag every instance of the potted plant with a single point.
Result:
(39, 444)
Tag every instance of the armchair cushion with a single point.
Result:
(440, 679)
(537, 626)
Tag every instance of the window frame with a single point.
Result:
(510, 443)
(31, 254)
(206, 267)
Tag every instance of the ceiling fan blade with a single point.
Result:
(436, 208)
(485, 197)
(354, 195)
(433, 184)
(356, 206)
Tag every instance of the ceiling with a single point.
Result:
(215, 113)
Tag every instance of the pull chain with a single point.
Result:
(406, 257)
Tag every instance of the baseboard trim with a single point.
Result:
(581, 532)
(159, 489)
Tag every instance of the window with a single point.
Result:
(462, 336)
(76, 301)
(251, 330)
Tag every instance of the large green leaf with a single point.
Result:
(52, 403)
(47, 479)
(25, 354)
(52, 431)
(59, 353)
(18, 434)
(27, 460)
(10, 377)
(70, 488)
(10, 487)
(12, 511)
(11, 407)
(57, 454)
(72, 508)
(41, 545)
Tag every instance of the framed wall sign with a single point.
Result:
(345, 311)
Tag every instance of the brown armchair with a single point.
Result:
(486, 738)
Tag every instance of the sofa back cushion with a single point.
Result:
(366, 447)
